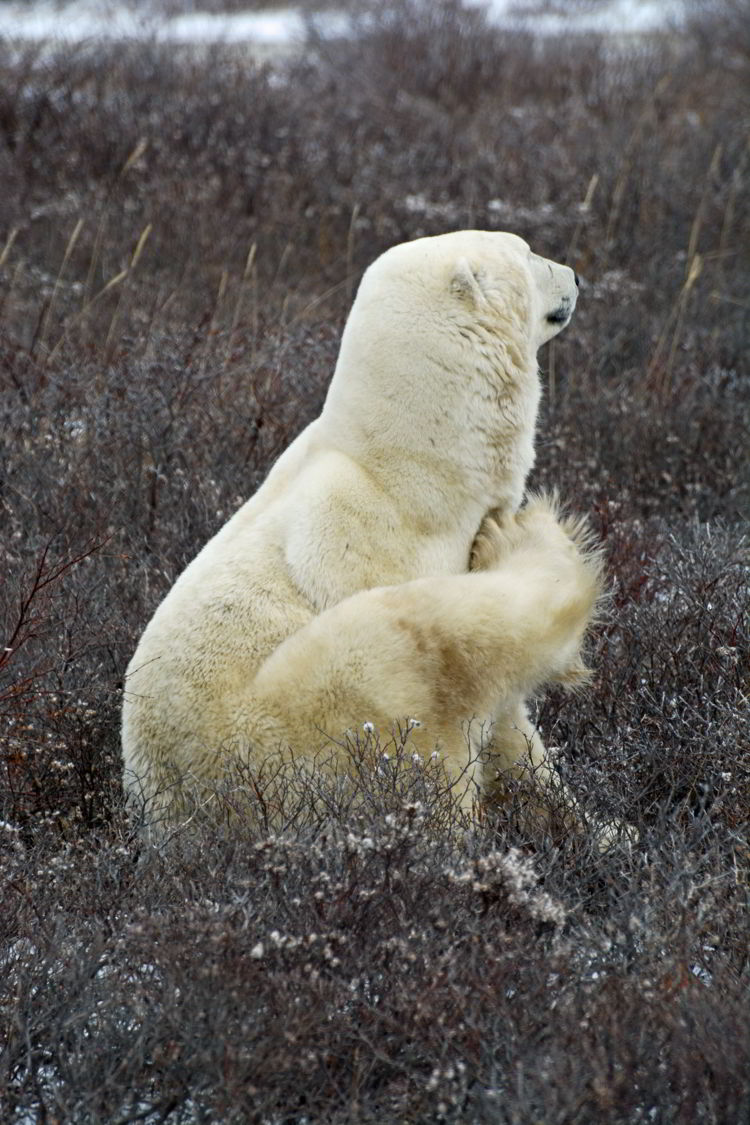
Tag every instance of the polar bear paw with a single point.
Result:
(540, 524)
(494, 541)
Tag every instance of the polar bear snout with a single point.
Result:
(557, 287)
(562, 314)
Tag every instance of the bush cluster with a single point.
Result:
(181, 234)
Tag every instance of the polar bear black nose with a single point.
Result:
(577, 280)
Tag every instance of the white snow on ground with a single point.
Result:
(80, 20)
(282, 28)
(619, 17)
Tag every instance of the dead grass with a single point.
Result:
(180, 236)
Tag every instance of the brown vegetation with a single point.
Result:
(180, 236)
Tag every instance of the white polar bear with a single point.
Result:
(340, 591)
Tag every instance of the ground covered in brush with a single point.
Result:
(180, 236)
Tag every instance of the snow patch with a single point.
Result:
(607, 17)
(283, 28)
(81, 20)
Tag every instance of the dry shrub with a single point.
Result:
(182, 233)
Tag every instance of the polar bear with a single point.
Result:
(308, 610)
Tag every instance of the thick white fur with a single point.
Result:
(459, 653)
(428, 426)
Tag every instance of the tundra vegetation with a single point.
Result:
(181, 233)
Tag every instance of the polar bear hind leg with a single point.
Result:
(445, 650)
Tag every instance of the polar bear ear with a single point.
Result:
(465, 283)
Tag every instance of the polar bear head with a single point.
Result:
(468, 299)
(438, 367)
(477, 276)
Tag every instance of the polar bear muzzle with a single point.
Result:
(562, 314)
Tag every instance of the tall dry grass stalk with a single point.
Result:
(99, 239)
(89, 306)
(121, 278)
(660, 374)
(38, 342)
(12, 235)
(584, 211)
(350, 238)
(248, 281)
(4, 257)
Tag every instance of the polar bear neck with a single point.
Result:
(449, 428)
